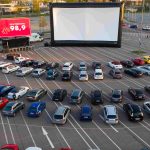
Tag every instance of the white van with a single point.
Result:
(23, 71)
(35, 37)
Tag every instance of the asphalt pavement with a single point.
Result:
(79, 135)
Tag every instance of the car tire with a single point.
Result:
(23, 106)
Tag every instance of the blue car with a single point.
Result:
(36, 109)
(86, 113)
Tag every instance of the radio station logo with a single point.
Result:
(5, 30)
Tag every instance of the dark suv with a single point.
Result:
(137, 94)
(76, 96)
(96, 97)
(67, 75)
(59, 95)
(133, 111)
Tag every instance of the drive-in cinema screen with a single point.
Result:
(85, 24)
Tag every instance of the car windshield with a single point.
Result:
(65, 75)
(32, 93)
(14, 90)
(74, 97)
(82, 75)
(116, 95)
(98, 73)
(7, 108)
(136, 109)
(19, 71)
(65, 66)
(85, 110)
(82, 65)
(33, 109)
(50, 73)
(139, 92)
(58, 116)
(111, 116)
(35, 72)
(117, 72)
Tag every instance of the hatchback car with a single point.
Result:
(82, 66)
(117, 96)
(98, 74)
(36, 94)
(76, 96)
(27, 63)
(51, 74)
(110, 114)
(83, 76)
(59, 95)
(36, 108)
(86, 113)
(67, 66)
(133, 111)
(38, 72)
(133, 72)
(127, 63)
(96, 97)
(61, 114)
(116, 73)
(5, 89)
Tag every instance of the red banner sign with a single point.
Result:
(14, 27)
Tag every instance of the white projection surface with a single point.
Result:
(86, 24)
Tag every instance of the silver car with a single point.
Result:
(146, 106)
(61, 114)
(144, 69)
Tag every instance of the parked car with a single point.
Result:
(38, 72)
(27, 63)
(9, 147)
(5, 89)
(127, 63)
(39, 64)
(86, 113)
(18, 60)
(67, 66)
(36, 108)
(110, 114)
(59, 95)
(67, 148)
(82, 66)
(146, 59)
(11, 56)
(144, 69)
(133, 72)
(115, 64)
(137, 94)
(117, 95)
(52, 74)
(146, 28)
(83, 76)
(4, 64)
(67, 75)
(12, 108)
(76, 96)
(33, 148)
(23, 71)
(138, 61)
(98, 74)
(17, 92)
(61, 114)
(10, 68)
(133, 111)
(147, 88)
(52, 65)
(146, 106)
(133, 26)
(116, 73)
(36, 94)
(96, 97)
(97, 65)
(3, 102)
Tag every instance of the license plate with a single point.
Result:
(137, 118)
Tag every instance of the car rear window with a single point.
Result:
(111, 116)
(58, 116)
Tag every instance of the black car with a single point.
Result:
(97, 65)
(133, 111)
(147, 88)
(5, 89)
(133, 72)
(59, 95)
(12, 56)
(67, 75)
(52, 65)
(117, 96)
(36, 94)
(27, 63)
(127, 63)
(51, 74)
(12, 108)
(96, 97)
(39, 64)
(137, 94)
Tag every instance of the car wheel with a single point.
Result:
(23, 106)
(19, 97)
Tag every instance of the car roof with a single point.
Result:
(35, 104)
(98, 70)
(82, 63)
(85, 108)
(83, 72)
(11, 103)
(33, 148)
(116, 91)
(60, 110)
(111, 110)
(76, 92)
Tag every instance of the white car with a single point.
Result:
(146, 106)
(144, 69)
(38, 72)
(98, 74)
(82, 66)
(83, 76)
(115, 65)
(3, 64)
(17, 92)
(23, 71)
(10, 68)
(33, 148)
(147, 28)
(18, 60)
(67, 66)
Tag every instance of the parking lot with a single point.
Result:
(98, 135)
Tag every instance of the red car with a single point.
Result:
(3, 102)
(66, 149)
(138, 61)
(10, 146)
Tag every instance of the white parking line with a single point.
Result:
(4, 128)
